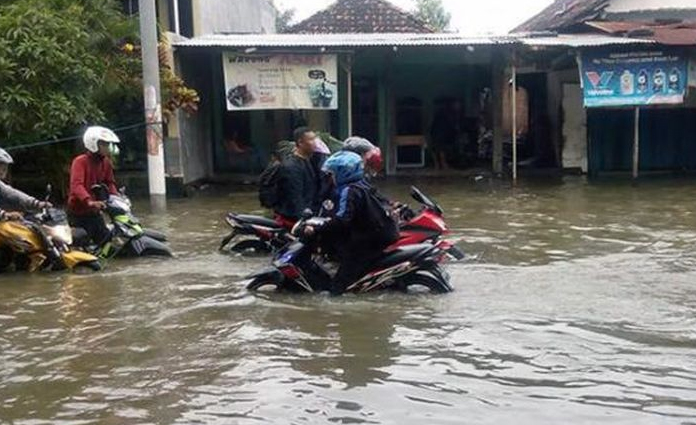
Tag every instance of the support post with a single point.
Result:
(498, 89)
(513, 101)
(636, 143)
(349, 94)
(177, 28)
(153, 106)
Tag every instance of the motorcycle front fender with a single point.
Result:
(155, 234)
(147, 246)
(451, 250)
(270, 274)
(73, 259)
(227, 239)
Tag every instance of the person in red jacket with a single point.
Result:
(89, 169)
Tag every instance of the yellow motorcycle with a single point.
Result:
(42, 242)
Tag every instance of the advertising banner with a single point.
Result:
(633, 78)
(280, 81)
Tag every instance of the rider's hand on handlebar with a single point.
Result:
(44, 205)
(98, 205)
(14, 216)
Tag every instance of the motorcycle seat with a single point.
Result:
(399, 255)
(80, 236)
(257, 221)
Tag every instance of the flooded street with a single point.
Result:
(577, 305)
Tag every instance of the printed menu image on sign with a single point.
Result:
(634, 78)
(280, 81)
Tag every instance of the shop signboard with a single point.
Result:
(634, 78)
(280, 81)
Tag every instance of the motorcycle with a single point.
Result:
(428, 225)
(267, 236)
(127, 237)
(298, 267)
(42, 241)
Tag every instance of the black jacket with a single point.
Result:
(297, 187)
(355, 222)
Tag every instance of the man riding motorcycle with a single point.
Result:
(89, 169)
(13, 199)
(360, 226)
(371, 154)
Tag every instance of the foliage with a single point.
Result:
(434, 14)
(48, 73)
(284, 18)
(175, 94)
(65, 64)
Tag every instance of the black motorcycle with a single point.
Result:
(266, 235)
(300, 267)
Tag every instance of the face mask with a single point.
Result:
(114, 151)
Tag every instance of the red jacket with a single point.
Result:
(86, 171)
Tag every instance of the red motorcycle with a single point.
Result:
(428, 225)
(267, 236)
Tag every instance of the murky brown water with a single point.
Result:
(579, 306)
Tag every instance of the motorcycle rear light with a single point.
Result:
(291, 272)
(263, 233)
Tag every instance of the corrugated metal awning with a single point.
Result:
(579, 40)
(341, 40)
(400, 39)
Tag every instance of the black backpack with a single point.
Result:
(268, 185)
(380, 217)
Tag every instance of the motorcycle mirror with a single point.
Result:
(49, 190)
(122, 190)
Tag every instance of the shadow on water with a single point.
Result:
(577, 304)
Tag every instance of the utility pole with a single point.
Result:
(153, 104)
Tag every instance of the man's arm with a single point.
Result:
(347, 201)
(16, 199)
(77, 183)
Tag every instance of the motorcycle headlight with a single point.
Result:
(61, 233)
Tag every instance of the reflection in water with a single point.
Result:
(578, 304)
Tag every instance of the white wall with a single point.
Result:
(624, 6)
(574, 128)
(234, 16)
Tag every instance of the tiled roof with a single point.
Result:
(361, 16)
(680, 33)
(563, 14)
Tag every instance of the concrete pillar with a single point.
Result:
(344, 100)
(498, 80)
(385, 109)
(218, 106)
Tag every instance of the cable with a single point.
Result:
(67, 139)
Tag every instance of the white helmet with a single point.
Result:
(96, 133)
(5, 158)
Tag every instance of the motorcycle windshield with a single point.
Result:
(422, 199)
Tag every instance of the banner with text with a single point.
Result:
(634, 78)
(280, 81)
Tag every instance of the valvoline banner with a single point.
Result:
(633, 78)
(280, 81)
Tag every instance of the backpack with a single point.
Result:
(268, 186)
(380, 217)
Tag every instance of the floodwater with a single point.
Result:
(577, 305)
